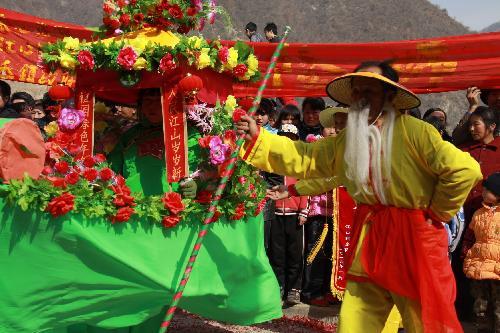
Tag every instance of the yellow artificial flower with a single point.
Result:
(140, 63)
(247, 76)
(196, 42)
(71, 43)
(230, 104)
(51, 129)
(253, 63)
(232, 58)
(67, 61)
(100, 107)
(139, 44)
(204, 59)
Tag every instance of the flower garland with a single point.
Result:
(134, 55)
(174, 15)
(91, 188)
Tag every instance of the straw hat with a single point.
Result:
(340, 90)
(326, 116)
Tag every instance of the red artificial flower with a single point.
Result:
(61, 166)
(239, 213)
(99, 158)
(86, 60)
(121, 3)
(237, 114)
(61, 205)
(167, 63)
(192, 11)
(170, 221)
(89, 161)
(120, 181)
(240, 70)
(47, 171)
(176, 12)
(204, 142)
(107, 8)
(90, 174)
(125, 20)
(57, 182)
(204, 197)
(122, 215)
(173, 202)
(138, 18)
(122, 196)
(113, 24)
(242, 180)
(127, 58)
(133, 2)
(74, 149)
(260, 207)
(183, 29)
(72, 178)
(106, 174)
(223, 54)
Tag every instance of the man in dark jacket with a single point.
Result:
(5, 110)
(271, 32)
(252, 34)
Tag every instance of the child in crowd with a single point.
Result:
(286, 243)
(266, 108)
(481, 248)
(289, 114)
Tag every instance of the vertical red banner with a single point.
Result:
(84, 100)
(343, 219)
(175, 135)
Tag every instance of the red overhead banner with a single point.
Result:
(20, 39)
(425, 66)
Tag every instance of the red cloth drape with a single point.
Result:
(426, 65)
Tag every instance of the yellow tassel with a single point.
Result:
(318, 245)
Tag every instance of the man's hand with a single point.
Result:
(473, 96)
(188, 189)
(302, 220)
(248, 126)
(278, 192)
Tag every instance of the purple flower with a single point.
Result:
(197, 4)
(211, 15)
(70, 119)
(218, 151)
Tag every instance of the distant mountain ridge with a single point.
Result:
(493, 27)
(311, 21)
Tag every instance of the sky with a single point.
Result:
(476, 14)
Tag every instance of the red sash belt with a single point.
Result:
(404, 254)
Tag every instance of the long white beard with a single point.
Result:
(369, 151)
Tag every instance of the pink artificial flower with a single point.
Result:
(70, 119)
(127, 58)
(312, 138)
(197, 4)
(218, 151)
(211, 15)
(86, 60)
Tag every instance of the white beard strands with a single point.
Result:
(369, 149)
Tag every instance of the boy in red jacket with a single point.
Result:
(286, 243)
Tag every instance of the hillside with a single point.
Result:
(311, 21)
(492, 28)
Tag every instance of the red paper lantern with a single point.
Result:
(190, 84)
(60, 92)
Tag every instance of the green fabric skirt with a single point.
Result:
(78, 275)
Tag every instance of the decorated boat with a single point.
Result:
(91, 242)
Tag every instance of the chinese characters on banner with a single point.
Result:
(175, 135)
(84, 99)
(343, 218)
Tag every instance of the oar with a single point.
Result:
(226, 175)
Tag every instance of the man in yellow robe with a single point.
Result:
(407, 181)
